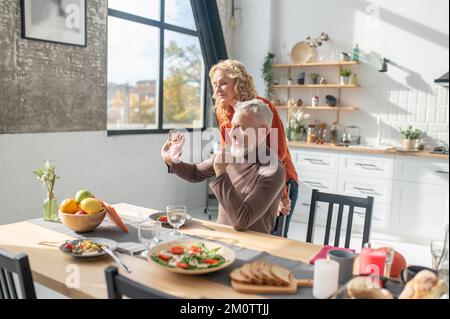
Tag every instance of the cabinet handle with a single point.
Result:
(318, 184)
(366, 191)
(442, 172)
(371, 167)
(316, 161)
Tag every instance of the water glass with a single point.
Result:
(176, 217)
(437, 247)
(149, 232)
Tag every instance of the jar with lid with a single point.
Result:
(312, 134)
(334, 133)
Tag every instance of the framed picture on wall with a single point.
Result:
(59, 21)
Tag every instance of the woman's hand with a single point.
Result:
(172, 150)
(284, 208)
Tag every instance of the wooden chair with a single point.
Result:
(120, 286)
(342, 201)
(18, 265)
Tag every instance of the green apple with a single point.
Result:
(83, 194)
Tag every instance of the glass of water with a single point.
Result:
(149, 232)
(437, 247)
(176, 217)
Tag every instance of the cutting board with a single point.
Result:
(276, 290)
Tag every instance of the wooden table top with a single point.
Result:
(58, 272)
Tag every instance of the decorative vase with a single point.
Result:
(409, 145)
(345, 80)
(50, 208)
(298, 136)
(301, 81)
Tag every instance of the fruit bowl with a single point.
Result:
(82, 223)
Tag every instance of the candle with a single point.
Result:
(326, 277)
(372, 262)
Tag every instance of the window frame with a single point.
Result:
(163, 26)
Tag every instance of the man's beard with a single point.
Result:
(239, 153)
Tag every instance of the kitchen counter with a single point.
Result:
(366, 149)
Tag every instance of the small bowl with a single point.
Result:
(330, 100)
(82, 223)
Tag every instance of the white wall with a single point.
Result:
(116, 169)
(413, 34)
(252, 37)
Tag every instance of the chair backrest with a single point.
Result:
(120, 286)
(342, 201)
(15, 273)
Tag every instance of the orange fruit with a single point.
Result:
(69, 206)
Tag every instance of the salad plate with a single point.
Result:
(191, 257)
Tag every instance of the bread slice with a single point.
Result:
(237, 276)
(268, 278)
(281, 274)
(246, 272)
(257, 276)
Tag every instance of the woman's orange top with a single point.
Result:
(283, 150)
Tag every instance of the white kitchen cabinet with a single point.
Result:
(377, 166)
(316, 161)
(418, 170)
(411, 193)
(380, 189)
(420, 211)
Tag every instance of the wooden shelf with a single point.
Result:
(323, 108)
(315, 86)
(316, 64)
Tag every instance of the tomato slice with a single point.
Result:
(182, 265)
(177, 250)
(211, 261)
(163, 219)
(163, 257)
(196, 249)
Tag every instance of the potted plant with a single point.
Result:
(409, 137)
(267, 75)
(301, 78)
(297, 125)
(314, 78)
(345, 76)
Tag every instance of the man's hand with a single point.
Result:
(221, 160)
(172, 150)
(285, 207)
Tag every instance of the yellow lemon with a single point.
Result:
(69, 206)
(91, 206)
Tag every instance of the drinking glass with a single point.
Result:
(437, 247)
(149, 232)
(176, 216)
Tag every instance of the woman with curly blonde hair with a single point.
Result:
(232, 84)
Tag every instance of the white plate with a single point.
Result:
(101, 241)
(226, 252)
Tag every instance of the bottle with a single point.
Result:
(355, 79)
(312, 134)
(443, 262)
(356, 53)
(334, 133)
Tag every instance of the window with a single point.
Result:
(156, 72)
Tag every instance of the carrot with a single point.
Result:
(114, 217)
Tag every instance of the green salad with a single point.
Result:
(189, 258)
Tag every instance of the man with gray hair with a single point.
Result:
(249, 179)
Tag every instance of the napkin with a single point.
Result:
(324, 252)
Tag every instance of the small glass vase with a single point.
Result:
(50, 208)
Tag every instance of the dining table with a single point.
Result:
(85, 279)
